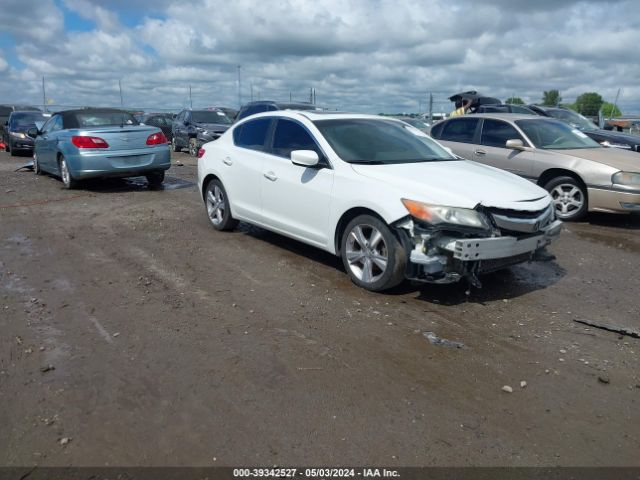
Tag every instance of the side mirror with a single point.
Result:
(304, 158)
(515, 144)
(33, 132)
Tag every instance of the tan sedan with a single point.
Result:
(580, 174)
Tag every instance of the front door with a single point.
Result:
(296, 199)
(493, 151)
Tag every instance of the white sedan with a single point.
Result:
(390, 201)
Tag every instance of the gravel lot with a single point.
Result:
(132, 333)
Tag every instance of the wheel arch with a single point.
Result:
(210, 177)
(344, 220)
(552, 173)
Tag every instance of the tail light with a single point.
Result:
(89, 142)
(201, 152)
(157, 139)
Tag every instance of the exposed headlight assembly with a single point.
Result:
(442, 215)
(626, 178)
(17, 134)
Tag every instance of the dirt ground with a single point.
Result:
(132, 333)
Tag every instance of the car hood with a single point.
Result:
(459, 183)
(216, 127)
(628, 138)
(624, 160)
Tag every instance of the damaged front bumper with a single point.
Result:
(441, 256)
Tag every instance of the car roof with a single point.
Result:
(314, 115)
(505, 116)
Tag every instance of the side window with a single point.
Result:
(53, 124)
(460, 130)
(252, 134)
(187, 117)
(180, 117)
(436, 130)
(495, 133)
(289, 136)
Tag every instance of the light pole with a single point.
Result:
(239, 88)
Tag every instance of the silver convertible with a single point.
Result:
(93, 143)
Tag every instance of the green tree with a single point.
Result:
(589, 103)
(551, 98)
(515, 101)
(608, 108)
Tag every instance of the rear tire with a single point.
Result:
(193, 147)
(218, 206)
(12, 150)
(155, 179)
(67, 180)
(372, 255)
(569, 198)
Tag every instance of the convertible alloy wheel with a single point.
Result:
(366, 253)
(371, 254)
(218, 207)
(67, 179)
(569, 198)
(36, 165)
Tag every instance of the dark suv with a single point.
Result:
(5, 111)
(193, 128)
(16, 129)
(270, 106)
(608, 138)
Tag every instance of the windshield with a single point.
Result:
(104, 119)
(415, 123)
(27, 119)
(553, 135)
(212, 116)
(380, 142)
(574, 119)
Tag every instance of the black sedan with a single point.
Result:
(161, 120)
(608, 138)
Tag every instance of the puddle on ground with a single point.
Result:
(114, 185)
(170, 183)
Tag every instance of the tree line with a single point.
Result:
(588, 103)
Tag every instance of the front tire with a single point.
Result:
(569, 198)
(36, 165)
(174, 145)
(67, 180)
(12, 151)
(372, 255)
(218, 207)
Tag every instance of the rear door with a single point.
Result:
(459, 134)
(296, 199)
(492, 149)
(242, 166)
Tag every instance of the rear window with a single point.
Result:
(103, 119)
(460, 130)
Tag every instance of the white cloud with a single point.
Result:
(378, 55)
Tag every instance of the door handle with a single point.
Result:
(271, 176)
(227, 161)
(480, 152)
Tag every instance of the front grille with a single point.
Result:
(521, 221)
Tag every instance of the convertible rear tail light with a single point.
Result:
(201, 152)
(156, 139)
(89, 142)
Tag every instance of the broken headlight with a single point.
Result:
(442, 215)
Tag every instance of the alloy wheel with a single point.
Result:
(216, 205)
(568, 199)
(366, 253)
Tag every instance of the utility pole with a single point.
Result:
(615, 105)
(252, 92)
(290, 96)
(430, 107)
(120, 86)
(190, 99)
(239, 88)
(44, 97)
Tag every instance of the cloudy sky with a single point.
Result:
(359, 55)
